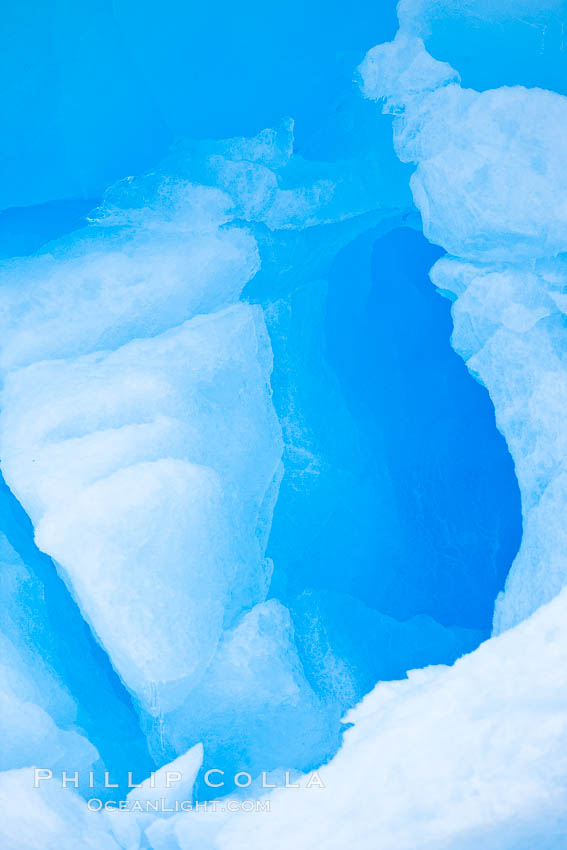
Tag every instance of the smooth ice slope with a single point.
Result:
(109, 467)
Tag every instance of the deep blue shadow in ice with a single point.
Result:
(399, 492)
(446, 522)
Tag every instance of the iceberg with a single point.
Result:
(284, 507)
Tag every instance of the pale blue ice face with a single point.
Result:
(100, 94)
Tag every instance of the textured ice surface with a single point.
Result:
(513, 316)
(150, 472)
(488, 164)
(101, 482)
(136, 273)
(459, 758)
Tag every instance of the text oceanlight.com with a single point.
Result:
(150, 799)
(163, 806)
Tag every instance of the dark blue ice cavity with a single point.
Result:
(399, 490)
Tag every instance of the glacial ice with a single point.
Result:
(31, 700)
(455, 758)
(471, 755)
(126, 277)
(49, 817)
(90, 461)
(258, 665)
(234, 420)
(103, 440)
(56, 672)
(150, 466)
(43, 716)
(523, 335)
(348, 647)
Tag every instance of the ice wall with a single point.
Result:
(471, 755)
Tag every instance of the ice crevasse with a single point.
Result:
(138, 430)
(472, 755)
